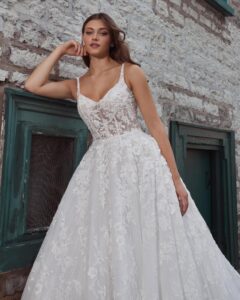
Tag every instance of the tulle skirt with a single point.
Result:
(118, 234)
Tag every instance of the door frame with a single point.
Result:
(27, 114)
(184, 136)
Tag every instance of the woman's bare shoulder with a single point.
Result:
(133, 71)
(73, 85)
(129, 70)
(131, 66)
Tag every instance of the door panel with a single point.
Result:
(205, 158)
(198, 180)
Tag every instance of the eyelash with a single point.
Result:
(103, 33)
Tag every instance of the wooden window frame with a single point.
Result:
(28, 114)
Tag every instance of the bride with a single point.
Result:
(126, 226)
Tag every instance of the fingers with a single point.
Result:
(84, 51)
(183, 203)
(78, 49)
(73, 45)
(81, 51)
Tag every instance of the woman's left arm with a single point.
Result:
(144, 99)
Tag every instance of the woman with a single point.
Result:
(127, 226)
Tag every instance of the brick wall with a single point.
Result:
(188, 50)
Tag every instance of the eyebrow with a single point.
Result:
(99, 28)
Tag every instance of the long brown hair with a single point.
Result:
(119, 50)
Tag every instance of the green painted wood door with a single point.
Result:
(203, 176)
(198, 178)
(45, 139)
(205, 157)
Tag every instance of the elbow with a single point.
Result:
(29, 87)
(156, 127)
(26, 86)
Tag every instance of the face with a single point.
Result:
(97, 38)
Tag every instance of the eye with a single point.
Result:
(102, 33)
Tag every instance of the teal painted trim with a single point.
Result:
(19, 255)
(27, 114)
(184, 135)
(223, 6)
(232, 195)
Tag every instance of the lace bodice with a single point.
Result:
(114, 114)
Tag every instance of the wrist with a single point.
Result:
(59, 51)
(176, 179)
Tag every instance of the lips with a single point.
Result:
(94, 45)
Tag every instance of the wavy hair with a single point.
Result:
(119, 50)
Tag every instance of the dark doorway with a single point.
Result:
(203, 178)
(206, 161)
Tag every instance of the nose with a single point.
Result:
(95, 35)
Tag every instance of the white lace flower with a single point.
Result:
(92, 272)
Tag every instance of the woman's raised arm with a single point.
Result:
(38, 82)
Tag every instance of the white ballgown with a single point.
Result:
(118, 233)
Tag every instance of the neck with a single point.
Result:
(99, 65)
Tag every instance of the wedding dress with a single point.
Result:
(118, 233)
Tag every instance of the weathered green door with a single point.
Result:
(198, 178)
(206, 161)
(45, 139)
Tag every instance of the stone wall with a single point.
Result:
(188, 50)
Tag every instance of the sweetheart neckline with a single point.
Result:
(104, 97)
(119, 80)
(80, 94)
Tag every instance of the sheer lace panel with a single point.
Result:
(114, 114)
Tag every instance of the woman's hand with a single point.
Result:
(182, 196)
(73, 48)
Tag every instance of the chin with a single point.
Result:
(99, 54)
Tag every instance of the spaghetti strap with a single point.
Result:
(122, 79)
(122, 70)
(78, 88)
